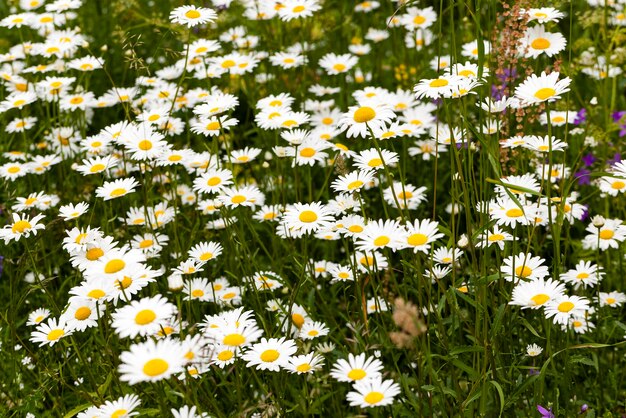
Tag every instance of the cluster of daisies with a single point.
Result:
(207, 176)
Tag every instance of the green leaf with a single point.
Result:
(497, 321)
(500, 394)
(76, 410)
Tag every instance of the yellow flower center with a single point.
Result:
(495, 237)
(582, 276)
(228, 64)
(145, 316)
(417, 239)
(155, 367)
(94, 254)
(514, 213)
(355, 185)
(20, 227)
(618, 185)
(610, 301)
(298, 9)
(558, 119)
(55, 334)
(82, 313)
(381, 241)
(238, 199)
(545, 93)
(375, 162)
(197, 293)
(565, 306)
(96, 168)
(146, 243)
(355, 229)
(339, 67)
(606, 234)
(308, 216)
(206, 256)
(307, 152)
(303, 368)
(213, 126)
(118, 192)
(440, 82)
(14, 169)
(523, 271)
(298, 320)
(373, 398)
(225, 355)
(119, 413)
(145, 145)
(114, 266)
(269, 356)
(356, 374)
(540, 43)
(419, 20)
(540, 299)
(96, 293)
(192, 14)
(76, 100)
(364, 114)
(234, 340)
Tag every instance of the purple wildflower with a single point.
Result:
(583, 175)
(581, 116)
(545, 413)
(616, 159)
(589, 159)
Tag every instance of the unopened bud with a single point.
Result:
(598, 221)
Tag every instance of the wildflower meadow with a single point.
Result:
(304, 208)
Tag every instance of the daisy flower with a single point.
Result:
(50, 332)
(122, 407)
(352, 182)
(536, 293)
(533, 350)
(37, 316)
(309, 152)
(370, 262)
(543, 14)
(356, 368)
(142, 317)
(373, 392)
(612, 299)
(305, 364)
(613, 185)
(73, 211)
(244, 196)
(420, 234)
(242, 156)
(381, 234)
(82, 313)
(544, 144)
(546, 87)
(116, 188)
(405, 195)
(584, 273)
(293, 9)
(523, 266)
(507, 212)
(497, 237)
(152, 361)
(188, 412)
(416, 18)
(337, 64)
(270, 354)
(442, 86)
(223, 355)
(340, 273)
(537, 41)
(371, 159)
(192, 15)
(22, 225)
(312, 329)
(607, 236)
(566, 307)
(213, 181)
(307, 217)
(213, 126)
